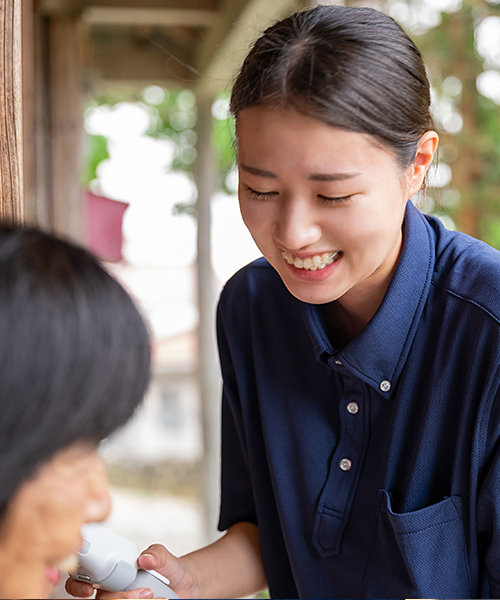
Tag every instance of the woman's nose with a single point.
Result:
(98, 504)
(297, 226)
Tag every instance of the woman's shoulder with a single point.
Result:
(258, 289)
(251, 278)
(466, 267)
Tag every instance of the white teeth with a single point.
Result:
(311, 263)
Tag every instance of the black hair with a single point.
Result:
(74, 352)
(350, 67)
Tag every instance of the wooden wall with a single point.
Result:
(11, 142)
(41, 117)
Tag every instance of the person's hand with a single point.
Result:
(155, 557)
(85, 590)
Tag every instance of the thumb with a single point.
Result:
(175, 569)
(157, 557)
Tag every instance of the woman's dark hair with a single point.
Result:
(74, 353)
(353, 68)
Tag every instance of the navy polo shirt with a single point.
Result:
(371, 471)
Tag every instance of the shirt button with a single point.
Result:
(345, 464)
(338, 362)
(385, 386)
(352, 408)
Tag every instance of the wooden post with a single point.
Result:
(66, 116)
(209, 377)
(11, 106)
(53, 120)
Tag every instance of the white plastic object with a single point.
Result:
(109, 561)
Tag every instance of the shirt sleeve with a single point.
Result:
(488, 504)
(237, 498)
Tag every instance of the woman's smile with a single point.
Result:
(316, 267)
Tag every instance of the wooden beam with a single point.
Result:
(66, 7)
(220, 55)
(231, 11)
(164, 4)
(160, 17)
(59, 7)
(146, 63)
(11, 106)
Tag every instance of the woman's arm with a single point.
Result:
(231, 567)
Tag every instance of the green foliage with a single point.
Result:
(473, 152)
(173, 115)
(175, 118)
(224, 142)
(96, 150)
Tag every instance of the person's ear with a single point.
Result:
(426, 148)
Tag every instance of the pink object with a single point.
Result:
(104, 226)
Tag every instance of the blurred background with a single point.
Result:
(129, 149)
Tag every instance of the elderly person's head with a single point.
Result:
(74, 364)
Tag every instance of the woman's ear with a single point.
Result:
(426, 149)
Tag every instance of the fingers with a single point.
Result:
(139, 593)
(85, 590)
(78, 589)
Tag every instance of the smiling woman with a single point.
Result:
(331, 202)
(74, 364)
(361, 354)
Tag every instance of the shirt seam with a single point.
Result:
(413, 532)
(468, 300)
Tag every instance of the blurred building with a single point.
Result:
(167, 426)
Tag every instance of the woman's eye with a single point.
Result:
(260, 195)
(332, 199)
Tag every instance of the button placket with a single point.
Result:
(337, 497)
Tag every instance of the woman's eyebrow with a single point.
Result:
(332, 176)
(314, 177)
(258, 172)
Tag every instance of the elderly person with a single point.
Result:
(74, 365)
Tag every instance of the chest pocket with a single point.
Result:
(423, 550)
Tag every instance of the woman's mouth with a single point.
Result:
(312, 263)
(315, 268)
(53, 575)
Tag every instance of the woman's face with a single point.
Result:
(325, 206)
(42, 526)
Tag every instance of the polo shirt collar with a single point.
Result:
(378, 354)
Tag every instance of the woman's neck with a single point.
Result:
(345, 325)
(350, 314)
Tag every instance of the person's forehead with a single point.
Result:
(324, 152)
